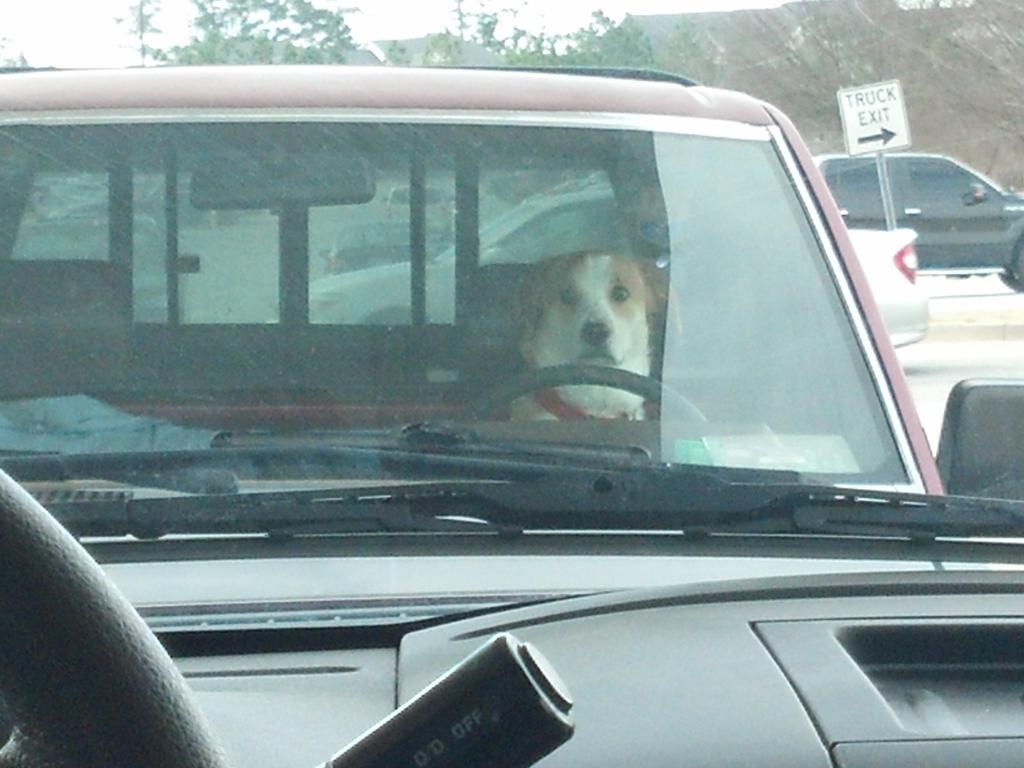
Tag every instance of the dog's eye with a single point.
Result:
(567, 296)
(620, 293)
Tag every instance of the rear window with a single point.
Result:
(231, 286)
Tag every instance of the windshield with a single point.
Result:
(165, 282)
(419, 308)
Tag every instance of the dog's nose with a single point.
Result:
(595, 333)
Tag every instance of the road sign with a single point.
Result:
(874, 118)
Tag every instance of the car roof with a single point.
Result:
(343, 87)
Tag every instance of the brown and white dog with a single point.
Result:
(590, 308)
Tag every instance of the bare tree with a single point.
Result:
(957, 60)
(140, 22)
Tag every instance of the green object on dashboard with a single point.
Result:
(692, 452)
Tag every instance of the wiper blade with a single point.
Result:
(692, 500)
(717, 500)
(564, 499)
(19, 452)
(318, 512)
(882, 514)
(454, 440)
(703, 500)
(216, 470)
(426, 435)
(423, 450)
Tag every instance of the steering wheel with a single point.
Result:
(85, 682)
(573, 374)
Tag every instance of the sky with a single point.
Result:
(85, 33)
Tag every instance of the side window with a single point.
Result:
(348, 238)
(854, 183)
(229, 260)
(67, 217)
(361, 255)
(940, 181)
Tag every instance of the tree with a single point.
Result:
(958, 62)
(397, 54)
(498, 31)
(529, 49)
(462, 19)
(264, 32)
(804, 53)
(603, 43)
(689, 53)
(443, 49)
(140, 23)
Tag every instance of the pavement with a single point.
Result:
(972, 309)
(934, 367)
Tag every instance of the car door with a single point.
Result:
(854, 184)
(958, 215)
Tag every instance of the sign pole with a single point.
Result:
(886, 187)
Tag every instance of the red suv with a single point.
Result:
(323, 481)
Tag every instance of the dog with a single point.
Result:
(593, 308)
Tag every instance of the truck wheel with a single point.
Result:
(1013, 275)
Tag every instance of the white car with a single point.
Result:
(890, 263)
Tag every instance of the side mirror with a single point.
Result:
(976, 193)
(982, 434)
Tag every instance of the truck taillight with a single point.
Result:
(906, 262)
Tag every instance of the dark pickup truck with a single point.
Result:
(966, 224)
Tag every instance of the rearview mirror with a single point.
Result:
(256, 179)
(982, 433)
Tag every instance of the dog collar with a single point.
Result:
(552, 402)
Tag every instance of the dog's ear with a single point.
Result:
(656, 286)
(662, 301)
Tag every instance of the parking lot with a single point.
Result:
(977, 331)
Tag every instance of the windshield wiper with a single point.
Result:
(18, 452)
(704, 500)
(416, 451)
(452, 440)
(219, 470)
(426, 492)
(274, 514)
(557, 498)
(850, 512)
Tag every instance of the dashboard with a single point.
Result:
(854, 670)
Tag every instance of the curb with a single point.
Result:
(984, 315)
(995, 318)
(997, 331)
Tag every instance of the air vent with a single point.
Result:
(902, 680)
(946, 680)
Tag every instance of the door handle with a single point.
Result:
(843, 212)
(912, 211)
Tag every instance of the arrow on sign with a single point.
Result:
(884, 136)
